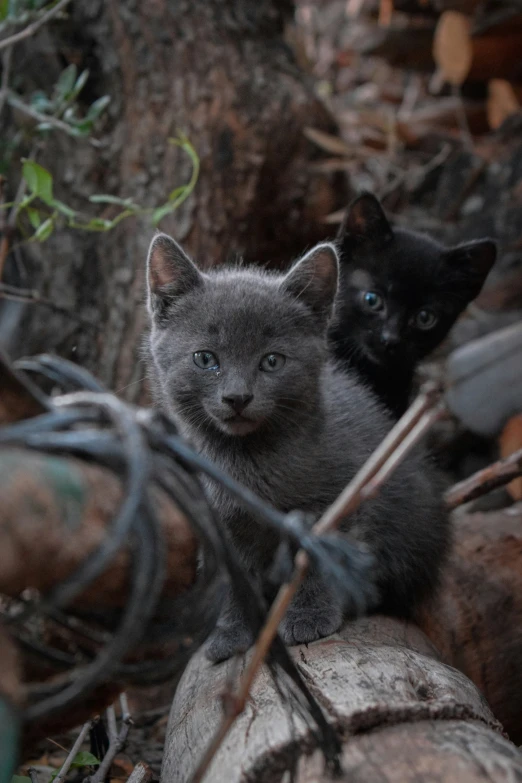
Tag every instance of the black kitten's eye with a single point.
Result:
(206, 360)
(272, 362)
(372, 301)
(425, 319)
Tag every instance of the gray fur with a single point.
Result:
(311, 427)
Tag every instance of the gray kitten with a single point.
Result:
(239, 358)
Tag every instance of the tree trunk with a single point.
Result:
(403, 716)
(217, 70)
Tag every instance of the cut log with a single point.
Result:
(485, 381)
(403, 715)
(510, 443)
(461, 56)
(476, 622)
(503, 102)
(65, 505)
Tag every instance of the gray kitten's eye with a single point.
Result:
(372, 301)
(205, 360)
(272, 362)
(425, 319)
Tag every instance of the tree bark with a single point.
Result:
(219, 71)
(403, 716)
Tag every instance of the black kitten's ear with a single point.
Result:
(170, 273)
(365, 221)
(472, 262)
(313, 279)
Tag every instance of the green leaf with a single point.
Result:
(85, 759)
(63, 208)
(66, 81)
(4, 11)
(38, 179)
(80, 84)
(44, 231)
(40, 101)
(96, 108)
(34, 217)
(20, 779)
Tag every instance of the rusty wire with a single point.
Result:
(143, 447)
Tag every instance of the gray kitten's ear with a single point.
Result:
(365, 221)
(471, 262)
(313, 279)
(170, 273)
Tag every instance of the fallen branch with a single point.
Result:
(483, 481)
(32, 28)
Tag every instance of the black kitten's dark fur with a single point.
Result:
(400, 293)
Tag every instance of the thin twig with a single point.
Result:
(421, 415)
(14, 101)
(351, 497)
(117, 741)
(112, 728)
(483, 481)
(141, 773)
(6, 73)
(32, 28)
(235, 703)
(73, 752)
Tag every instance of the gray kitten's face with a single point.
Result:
(236, 351)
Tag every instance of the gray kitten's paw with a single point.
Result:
(302, 625)
(228, 640)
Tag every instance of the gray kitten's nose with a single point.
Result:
(238, 402)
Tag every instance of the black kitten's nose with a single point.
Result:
(238, 402)
(389, 340)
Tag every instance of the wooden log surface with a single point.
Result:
(55, 511)
(476, 623)
(461, 56)
(403, 714)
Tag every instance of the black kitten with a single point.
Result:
(239, 357)
(400, 293)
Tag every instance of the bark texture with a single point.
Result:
(219, 71)
(477, 622)
(404, 716)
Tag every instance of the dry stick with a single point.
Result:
(6, 73)
(117, 742)
(32, 28)
(141, 774)
(402, 438)
(483, 481)
(72, 755)
(48, 119)
(235, 704)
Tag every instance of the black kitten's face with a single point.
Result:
(400, 303)
(238, 351)
(401, 292)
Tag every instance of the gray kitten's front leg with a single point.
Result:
(316, 611)
(232, 634)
